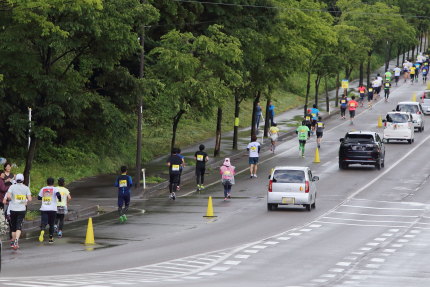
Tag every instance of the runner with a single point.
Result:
(362, 91)
(320, 130)
(254, 150)
(49, 196)
(388, 76)
(18, 194)
(397, 71)
(181, 169)
(412, 71)
(61, 207)
(315, 113)
(406, 70)
(174, 163)
(425, 72)
(201, 158)
(124, 184)
(387, 86)
(273, 134)
(352, 106)
(227, 177)
(380, 82)
(308, 119)
(343, 104)
(303, 135)
(370, 97)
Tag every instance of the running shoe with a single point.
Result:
(42, 233)
(12, 243)
(202, 186)
(255, 175)
(51, 240)
(228, 195)
(60, 234)
(121, 218)
(124, 217)
(55, 229)
(225, 198)
(173, 196)
(15, 245)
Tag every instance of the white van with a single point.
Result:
(416, 111)
(292, 185)
(398, 126)
(425, 102)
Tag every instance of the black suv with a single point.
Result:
(361, 147)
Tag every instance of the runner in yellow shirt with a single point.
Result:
(273, 133)
(61, 207)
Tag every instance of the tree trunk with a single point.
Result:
(398, 56)
(317, 86)
(407, 57)
(327, 99)
(361, 80)
(236, 121)
(387, 56)
(176, 120)
(369, 57)
(337, 90)
(413, 53)
(29, 160)
(267, 118)
(254, 109)
(218, 133)
(421, 42)
(404, 56)
(308, 88)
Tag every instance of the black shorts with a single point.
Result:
(175, 177)
(370, 97)
(319, 135)
(302, 142)
(378, 90)
(313, 123)
(396, 78)
(352, 113)
(16, 220)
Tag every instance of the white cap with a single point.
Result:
(19, 177)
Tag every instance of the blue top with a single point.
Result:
(272, 110)
(258, 111)
(314, 113)
(124, 183)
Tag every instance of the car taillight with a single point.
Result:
(385, 124)
(419, 112)
(270, 185)
(307, 187)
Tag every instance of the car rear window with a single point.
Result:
(289, 176)
(426, 96)
(397, 118)
(358, 138)
(407, 108)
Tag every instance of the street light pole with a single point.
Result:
(29, 137)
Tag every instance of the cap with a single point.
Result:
(19, 177)
(227, 161)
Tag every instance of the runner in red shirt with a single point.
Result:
(362, 91)
(352, 106)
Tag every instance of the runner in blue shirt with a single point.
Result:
(314, 113)
(124, 183)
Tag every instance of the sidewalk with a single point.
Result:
(94, 195)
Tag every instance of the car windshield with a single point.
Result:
(289, 176)
(397, 118)
(358, 138)
(407, 108)
(426, 95)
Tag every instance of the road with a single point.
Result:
(370, 228)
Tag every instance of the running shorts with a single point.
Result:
(253, 160)
(352, 113)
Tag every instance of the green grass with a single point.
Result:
(32, 215)
(154, 179)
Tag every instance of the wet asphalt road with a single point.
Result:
(370, 228)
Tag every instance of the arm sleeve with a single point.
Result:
(39, 197)
(116, 182)
(130, 181)
(259, 148)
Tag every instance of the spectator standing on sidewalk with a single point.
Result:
(258, 113)
(201, 158)
(254, 149)
(61, 207)
(3, 190)
(227, 177)
(18, 195)
(271, 113)
(9, 176)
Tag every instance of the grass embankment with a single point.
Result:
(156, 139)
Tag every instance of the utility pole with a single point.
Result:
(140, 109)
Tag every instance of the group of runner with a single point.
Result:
(411, 70)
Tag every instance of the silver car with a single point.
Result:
(416, 111)
(425, 102)
(292, 185)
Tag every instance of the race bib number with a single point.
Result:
(314, 115)
(308, 118)
(200, 157)
(123, 183)
(20, 197)
(387, 85)
(370, 90)
(320, 125)
(227, 172)
(46, 200)
(175, 167)
(343, 102)
(253, 148)
(352, 105)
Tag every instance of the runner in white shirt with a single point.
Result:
(49, 196)
(254, 149)
(397, 72)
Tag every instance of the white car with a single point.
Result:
(292, 185)
(425, 102)
(416, 110)
(398, 126)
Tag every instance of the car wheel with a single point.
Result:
(410, 141)
(378, 165)
(413, 140)
(387, 140)
(308, 207)
(314, 204)
(422, 128)
(343, 165)
(269, 207)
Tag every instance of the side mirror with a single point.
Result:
(315, 178)
(269, 176)
(394, 110)
(341, 140)
(384, 121)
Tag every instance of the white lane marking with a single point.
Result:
(242, 256)
(343, 263)
(389, 250)
(251, 251)
(387, 234)
(380, 239)
(295, 234)
(361, 225)
(403, 240)
(220, 268)
(415, 231)
(328, 275)
(191, 277)
(305, 230)
(373, 244)
(283, 238)
(373, 265)
(367, 220)
(394, 230)
(409, 236)
(232, 262)
(259, 246)
(365, 248)
(337, 270)
(319, 280)
(397, 245)
(327, 163)
(207, 273)
(378, 260)
(389, 208)
(383, 215)
(357, 253)
(315, 225)
(350, 258)
(271, 242)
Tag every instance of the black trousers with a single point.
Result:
(200, 175)
(48, 217)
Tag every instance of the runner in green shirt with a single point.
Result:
(303, 134)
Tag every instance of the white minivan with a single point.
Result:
(292, 185)
(416, 111)
(399, 126)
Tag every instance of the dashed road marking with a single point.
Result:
(343, 263)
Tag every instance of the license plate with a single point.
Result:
(288, 200)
